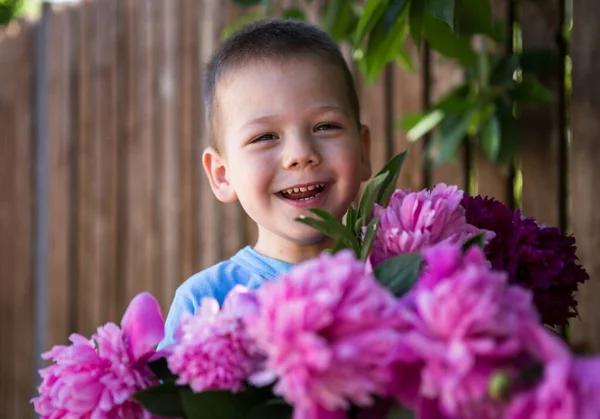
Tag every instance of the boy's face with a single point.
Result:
(288, 142)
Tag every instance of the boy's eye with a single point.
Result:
(264, 137)
(326, 127)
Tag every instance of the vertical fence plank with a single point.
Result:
(107, 146)
(492, 178)
(6, 308)
(372, 102)
(407, 91)
(585, 165)
(94, 277)
(168, 146)
(139, 224)
(190, 118)
(60, 144)
(86, 313)
(538, 153)
(445, 75)
(22, 234)
(124, 122)
(16, 218)
(210, 219)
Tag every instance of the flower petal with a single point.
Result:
(143, 324)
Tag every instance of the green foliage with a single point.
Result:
(9, 9)
(400, 273)
(350, 235)
(170, 400)
(485, 106)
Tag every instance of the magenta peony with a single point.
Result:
(96, 378)
(461, 325)
(328, 331)
(214, 351)
(539, 258)
(569, 386)
(413, 221)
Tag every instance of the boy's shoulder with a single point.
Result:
(245, 268)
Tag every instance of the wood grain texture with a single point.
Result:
(585, 165)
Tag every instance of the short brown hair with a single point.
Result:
(272, 39)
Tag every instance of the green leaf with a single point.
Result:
(442, 10)
(160, 368)
(415, 20)
(442, 39)
(473, 17)
(216, 404)
(339, 19)
(392, 168)
(385, 40)
(453, 130)
(404, 60)
(351, 217)
(478, 240)
(538, 62)
(272, 409)
(369, 197)
(504, 70)
(358, 225)
(531, 90)
(161, 400)
(294, 13)
(399, 273)
(323, 214)
(369, 238)
(393, 12)
(509, 131)
(247, 3)
(334, 229)
(490, 138)
(456, 101)
(400, 412)
(408, 121)
(372, 11)
(426, 124)
(499, 31)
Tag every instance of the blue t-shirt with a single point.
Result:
(246, 267)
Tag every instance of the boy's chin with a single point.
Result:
(311, 239)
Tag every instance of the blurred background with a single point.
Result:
(102, 193)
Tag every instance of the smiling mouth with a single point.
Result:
(303, 193)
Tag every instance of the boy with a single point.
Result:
(283, 116)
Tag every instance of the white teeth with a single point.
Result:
(303, 189)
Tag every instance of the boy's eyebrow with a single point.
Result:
(320, 108)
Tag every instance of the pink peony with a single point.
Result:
(328, 331)
(96, 378)
(413, 221)
(214, 351)
(569, 386)
(461, 324)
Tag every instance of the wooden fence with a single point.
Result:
(102, 194)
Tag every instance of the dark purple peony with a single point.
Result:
(539, 258)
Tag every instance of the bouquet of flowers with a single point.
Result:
(429, 303)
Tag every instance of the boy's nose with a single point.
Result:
(300, 152)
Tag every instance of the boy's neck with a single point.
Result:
(292, 253)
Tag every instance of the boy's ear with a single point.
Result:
(365, 153)
(218, 176)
